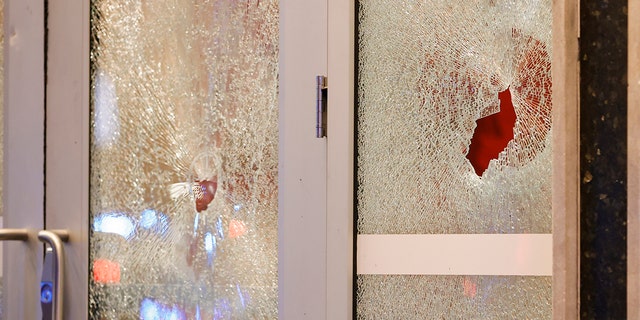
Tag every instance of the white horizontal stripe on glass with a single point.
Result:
(455, 254)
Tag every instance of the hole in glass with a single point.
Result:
(492, 134)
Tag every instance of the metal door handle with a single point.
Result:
(53, 273)
(14, 234)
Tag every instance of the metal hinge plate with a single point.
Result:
(321, 106)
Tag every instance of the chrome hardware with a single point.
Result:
(51, 296)
(14, 234)
(321, 106)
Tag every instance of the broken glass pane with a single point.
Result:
(453, 137)
(184, 159)
(454, 117)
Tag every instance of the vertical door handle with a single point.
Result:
(14, 234)
(51, 294)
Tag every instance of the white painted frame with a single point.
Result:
(302, 278)
(340, 160)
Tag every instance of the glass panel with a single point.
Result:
(184, 159)
(453, 297)
(454, 137)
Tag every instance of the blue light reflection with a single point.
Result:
(219, 228)
(150, 310)
(115, 222)
(153, 310)
(148, 218)
(210, 247)
(154, 220)
(241, 296)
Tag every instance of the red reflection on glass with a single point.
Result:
(204, 192)
(236, 228)
(106, 271)
(470, 287)
(534, 71)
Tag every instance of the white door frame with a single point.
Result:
(302, 163)
(340, 157)
(340, 160)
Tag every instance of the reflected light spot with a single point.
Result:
(106, 116)
(153, 310)
(219, 228)
(210, 247)
(176, 314)
(163, 224)
(222, 310)
(154, 220)
(470, 287)
(149, 310)
(106, 271)
(117, 223)
(209, 242)
(236, 228)
(148, 218)
(241, 296)
(195, 223)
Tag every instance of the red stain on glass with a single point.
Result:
(532, 87)
(534, 72)
(236, 228)
(470, 287)
(492, 134)
(204, 192)
(106, 271)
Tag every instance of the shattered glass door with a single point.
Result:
(184, 158)
(454, 142)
